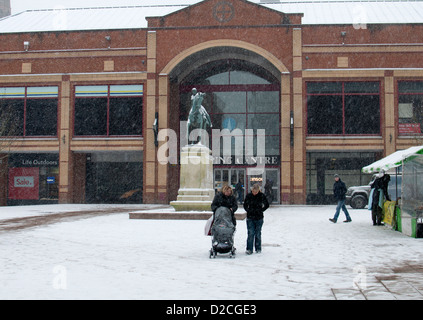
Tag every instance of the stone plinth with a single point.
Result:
(196, 190)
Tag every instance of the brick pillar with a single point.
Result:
(298, 173)
(150, 162)
(65, 154)
(390, 126)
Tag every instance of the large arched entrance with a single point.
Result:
(242, 95)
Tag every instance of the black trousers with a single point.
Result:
(377, 214)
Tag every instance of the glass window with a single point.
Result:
(219, 79)
(361, 87)
(410, 107)
(263, 101)
(114, 110)
(243, 77)
(42, 92)
(41, 117)
(12, 117)
(324, 115)
(91, 91)
(229, 102)
(324, 87)
(321, 166)
(28, 111)
(235, 77)
(410, 87)
(362, 114)
(229, 121)
(343, 108)
(91, 117)
(264, 121)
(239, 95)
(125, 116)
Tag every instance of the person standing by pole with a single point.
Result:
(339, 191)
(255, 204)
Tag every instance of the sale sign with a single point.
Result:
(24, 183)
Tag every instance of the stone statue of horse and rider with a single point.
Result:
(198, 117)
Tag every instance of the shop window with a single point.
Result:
(243, 98)
(28, 111)
(321, 167)
(248, 110)
(343, 108)
(110, 110)
(410, 103)
(33, 179)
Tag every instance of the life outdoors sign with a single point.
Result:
(33, 160)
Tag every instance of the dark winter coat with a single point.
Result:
(381, 184)
(255, 205)
(221, 200)
(339, 190)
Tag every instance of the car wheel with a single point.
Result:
(358, 202)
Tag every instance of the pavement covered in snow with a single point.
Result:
(110, 256)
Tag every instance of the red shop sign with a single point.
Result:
(409, 128)
(24, 183)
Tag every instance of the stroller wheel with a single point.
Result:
(232, 254)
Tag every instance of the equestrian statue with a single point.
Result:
(198, 117)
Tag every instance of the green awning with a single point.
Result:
(393, 160)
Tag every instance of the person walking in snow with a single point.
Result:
(255, 204)
(339, 191)
(225, 198)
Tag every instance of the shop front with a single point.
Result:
(33, 179)
(243, 101)
(113, 177)
(322, 166)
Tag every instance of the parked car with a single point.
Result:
(358, 196)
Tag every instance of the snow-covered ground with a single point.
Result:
(113, 257)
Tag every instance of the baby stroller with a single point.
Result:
(222, 231)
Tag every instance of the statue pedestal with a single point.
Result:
(196, 190)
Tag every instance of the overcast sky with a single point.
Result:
(22, 5)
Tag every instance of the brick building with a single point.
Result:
(336, 86)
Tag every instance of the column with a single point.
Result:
(150, 105)
(389, 124)
(298, 169)
(285, 139)
(163, 124)
(65, 155)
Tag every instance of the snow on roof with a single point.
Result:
(353, 12)
(393, 160)
(134, 17)
(106, 18)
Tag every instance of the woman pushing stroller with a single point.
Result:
(225, 198)
(223, 206)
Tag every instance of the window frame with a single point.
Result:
(399, 95)
(343, 94)
(109, 96)
(25, 98)
(245, 90)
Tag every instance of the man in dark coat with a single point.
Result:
(255, 204)
(339, 191)
(379, 194)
